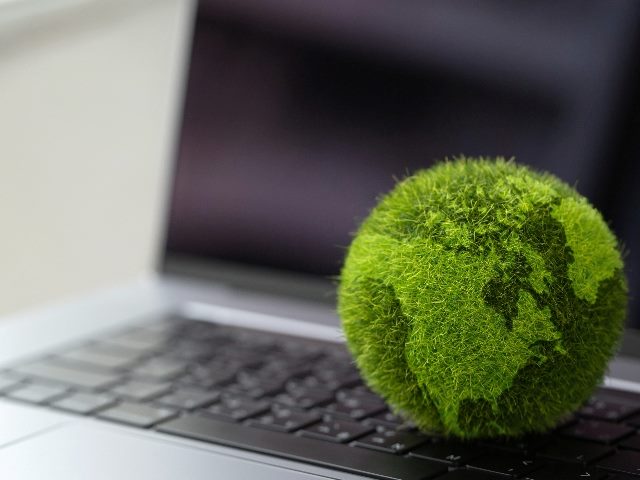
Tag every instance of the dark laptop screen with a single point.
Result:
(289, 134)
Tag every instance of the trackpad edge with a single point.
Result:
(81, 450)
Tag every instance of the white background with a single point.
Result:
(88, 97)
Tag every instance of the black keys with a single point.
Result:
(37, 393)
(505, 464)
(285, 419)
(188, 399)
(386, 419)
(84, 403)
(464, 474)
(140, 391)
(336, 430)
(598, 409)
(302, 397)
(594, 431)
(631, 443)
(342, 457)
(391, 441)
(527, 445)
(59, 373)
(355, 405)
(271, 394)
(450, 452)
(353, 410)
(573, 451)
(137, 415)
(559, 471)
(215, 373)
(235, 408)
(339, 378)
(624, 461)
(257, 390)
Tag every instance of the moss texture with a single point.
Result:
(481, 298)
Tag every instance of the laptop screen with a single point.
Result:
(289, 137)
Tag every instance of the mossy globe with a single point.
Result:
(480, 298)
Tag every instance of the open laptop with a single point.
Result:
(230, 363)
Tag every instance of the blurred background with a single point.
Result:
(325, 101)
(88, 103)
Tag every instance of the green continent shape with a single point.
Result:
(458, 347)
(595, 255)
(481, 299)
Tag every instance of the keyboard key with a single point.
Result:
(353, 460)
(573, 451)
(463, 474)
(84, 403)
(234, 408)
(214, 373)
(609, 411)
(528, 445)
(49, 370)
(102, 356)
(386, 419)
(391, 441)
(595, 431)
(255, 391)
(188, 399)
(336, 430)
(558, 471)
(37, 393)
(360, 393)
(159, 369)
(279, 370)
(624, 461)
(336, 379)
(355, 406)
(285, 419)
(450, 452)
(304, 397)
(505, 464)
(140, 391)
(350, 411)
(135, 414)
(631, 443)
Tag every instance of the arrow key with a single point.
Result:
(391, 441)
(566, 472)
(624, 461)
(506, 464)
(447, 451)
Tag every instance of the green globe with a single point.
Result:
(483, 299)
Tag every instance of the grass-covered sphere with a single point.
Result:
(481, 298)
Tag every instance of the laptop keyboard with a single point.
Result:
(303, 400)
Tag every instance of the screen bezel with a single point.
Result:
(252, 277)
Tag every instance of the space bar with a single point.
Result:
(342, 457)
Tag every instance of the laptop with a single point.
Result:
(230, 362)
